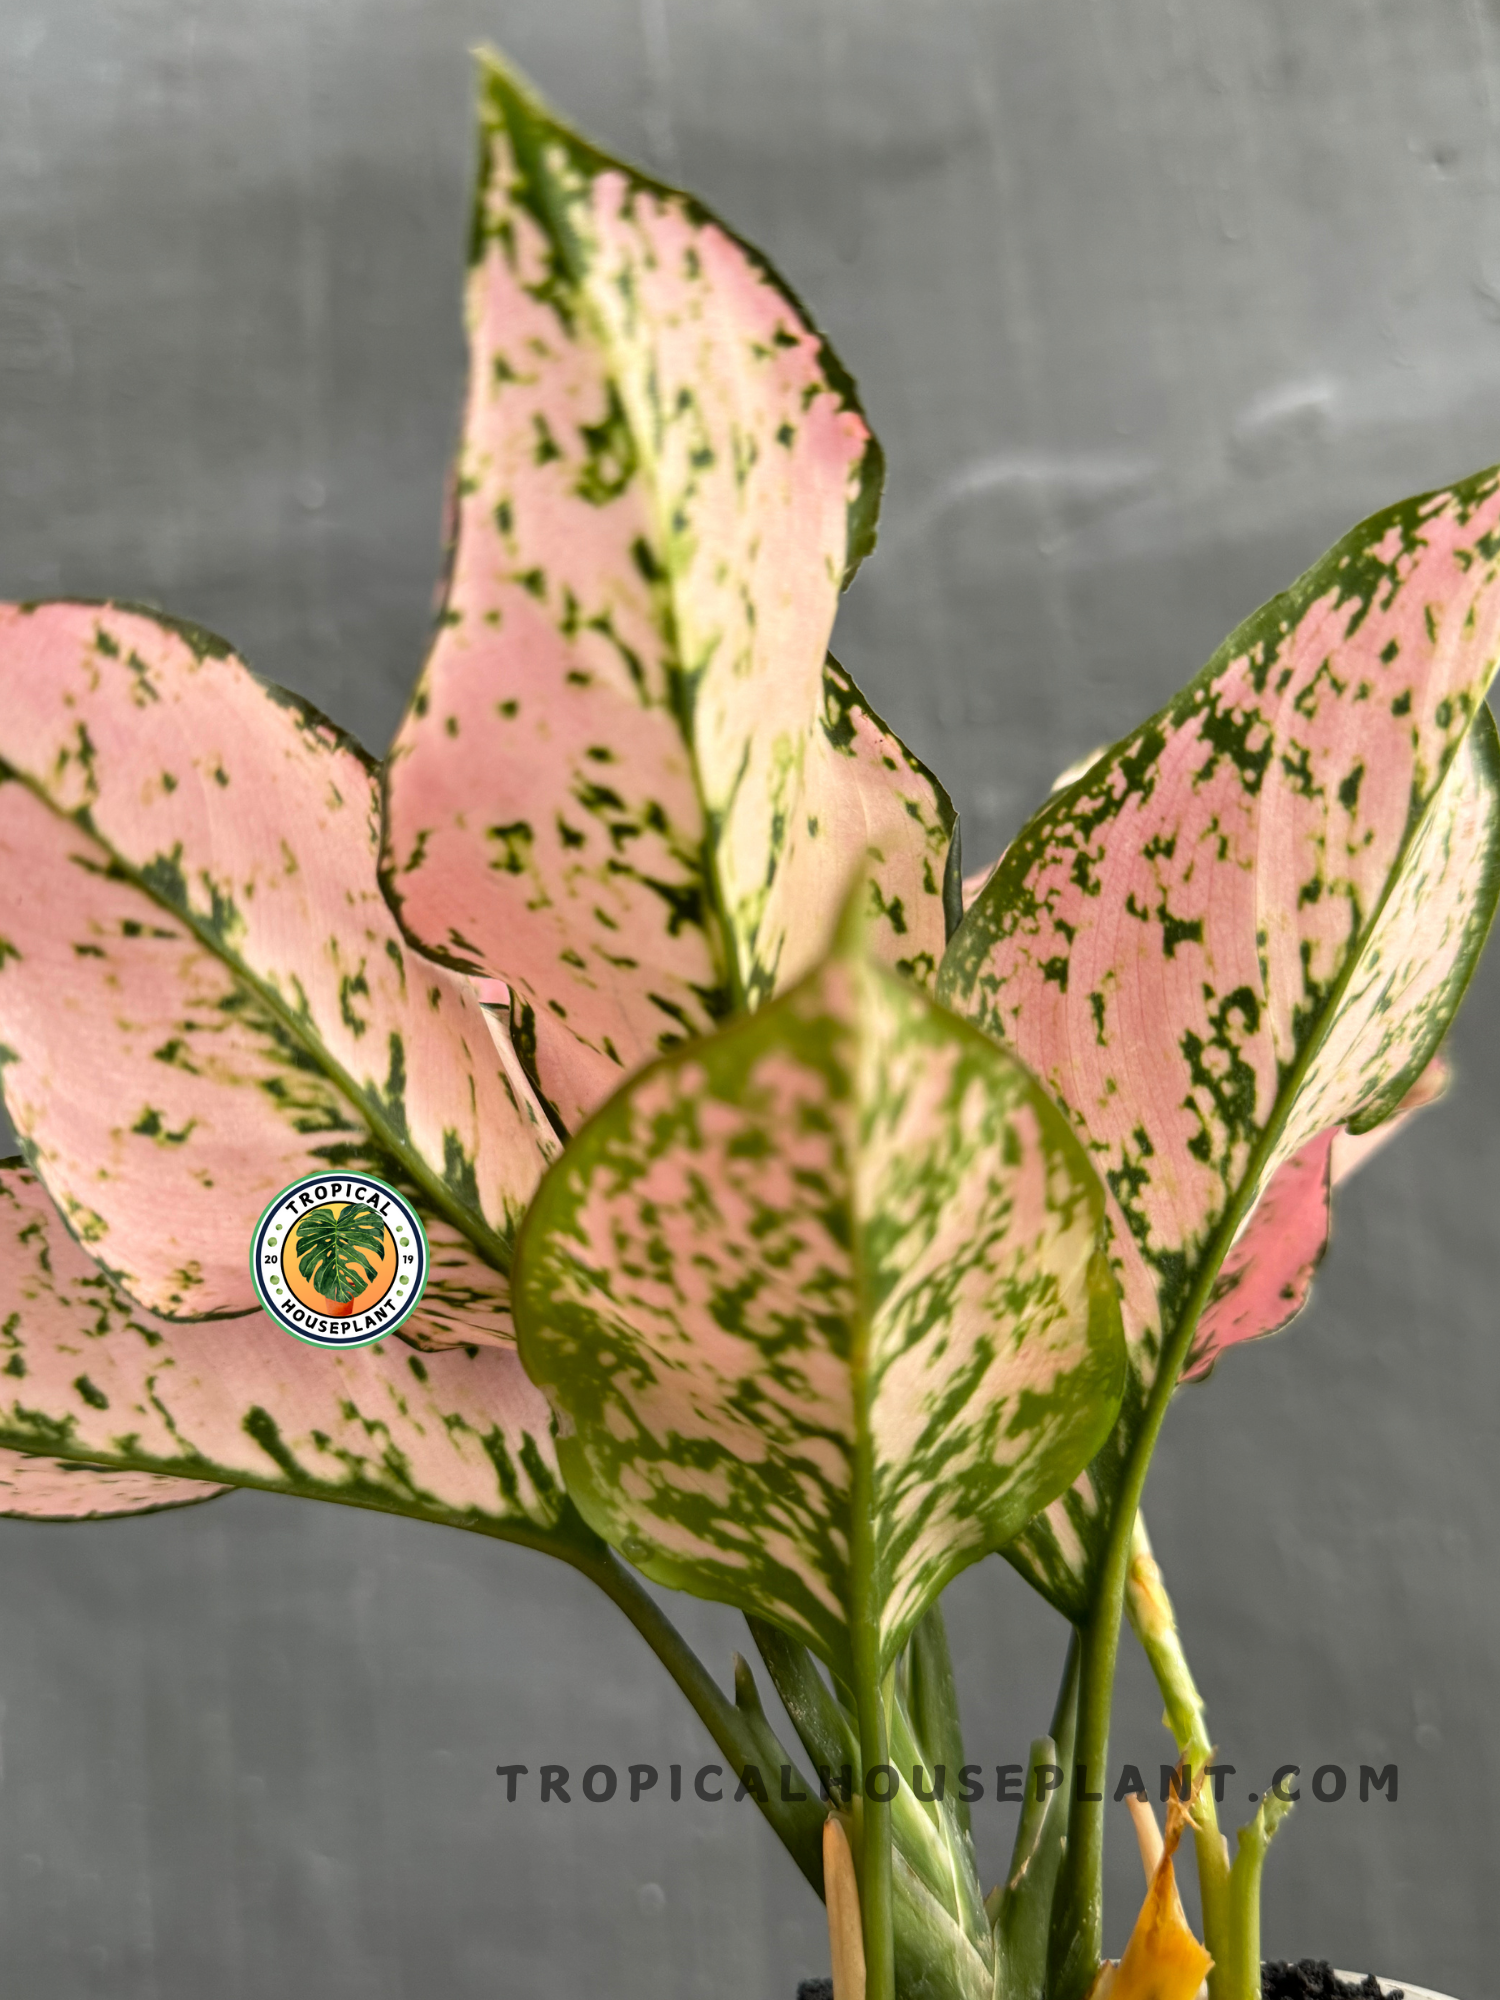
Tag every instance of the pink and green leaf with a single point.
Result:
(63, 1489)
(203, 994)
(822, 1305)
(630, 784)
(1267, 1273)
(1244, 931)
(155, 1407)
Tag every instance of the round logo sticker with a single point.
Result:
(338, 1261)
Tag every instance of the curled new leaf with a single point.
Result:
(822, 1305)
(1244, 931)
(203, 995)
(630, 783)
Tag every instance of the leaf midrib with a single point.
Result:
(581, 267)
(196, 1466)
(490, 1245)
(1237, 1209)
(1176, 1343)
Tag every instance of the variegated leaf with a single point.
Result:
(822, 1305)
(63, 1489)
(972, 884)
(1246, 928)
(629, 784)
(1352, 1149)
(1267, 1273)
(203, 994)
(461, 1438)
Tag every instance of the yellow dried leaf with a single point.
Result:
(1163, 1960)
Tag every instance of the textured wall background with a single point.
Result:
(1148, 301)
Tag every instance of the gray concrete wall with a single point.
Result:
(1148, 302)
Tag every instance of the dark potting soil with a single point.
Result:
(1309, 1979)
(1314, 1979)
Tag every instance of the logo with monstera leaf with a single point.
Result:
(339, 1260)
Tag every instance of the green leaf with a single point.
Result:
(822, 1305)
(933, 1700)
(631, 783)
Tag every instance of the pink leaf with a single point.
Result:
(629, 785)
(1267, 1274)
(154, 1405)
(1247, 927)
(62, 1489)
(1264, 1280)
(975, 882)
(1245, 924)
(202, 992)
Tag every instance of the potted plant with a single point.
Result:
(806, 1221)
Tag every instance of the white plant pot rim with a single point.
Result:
(1393, 1985)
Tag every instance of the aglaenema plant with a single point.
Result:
(797, 1236)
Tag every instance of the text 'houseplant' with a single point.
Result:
(797, 1234)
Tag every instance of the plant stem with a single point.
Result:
(1064, 1725)
(936, 1950)
(1242, 1970)
(875, 1889)
(1155, 1625)
(1077, 1939)
(740, 1730)
(1078, 1913)
(871, 1690)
